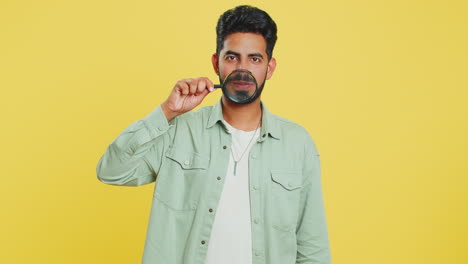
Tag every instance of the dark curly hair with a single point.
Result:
(246, 19)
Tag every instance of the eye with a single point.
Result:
(256, 59)
(230, 57)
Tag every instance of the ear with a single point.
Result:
(271, 68)
(214, 61)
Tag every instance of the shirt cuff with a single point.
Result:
(156, 122)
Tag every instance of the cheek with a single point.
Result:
(259, 76)
(224, 71)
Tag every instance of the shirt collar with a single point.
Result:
(269, 122)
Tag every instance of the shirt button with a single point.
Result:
(290, 184)
(187, 162)
(224, 147)
(211, 210)
(203, 242)
(256, 221)
(160, 128)
(254, 156)
(219, 178)
(258, 253)
(255, 187)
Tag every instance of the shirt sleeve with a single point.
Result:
(312, 234)
(134, 157)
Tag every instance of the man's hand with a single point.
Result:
(186, 95)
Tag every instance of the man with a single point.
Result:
(235, 184)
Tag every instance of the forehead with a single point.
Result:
(244, 43)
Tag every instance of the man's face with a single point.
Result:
(246, 51)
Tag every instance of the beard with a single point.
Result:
(243, 95)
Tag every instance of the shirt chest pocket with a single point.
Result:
(187, 160)
(181, 178)
(285, 194)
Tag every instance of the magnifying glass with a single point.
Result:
(240, 86)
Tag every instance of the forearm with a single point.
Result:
(134, 157)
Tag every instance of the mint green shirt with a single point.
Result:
(188, 158)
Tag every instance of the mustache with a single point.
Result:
(241, 75)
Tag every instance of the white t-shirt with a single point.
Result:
(231, 237)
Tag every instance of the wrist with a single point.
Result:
(168, 113)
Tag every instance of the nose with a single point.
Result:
(241, 65)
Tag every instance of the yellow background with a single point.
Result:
(380, 85)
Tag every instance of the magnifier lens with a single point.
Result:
(240, 86)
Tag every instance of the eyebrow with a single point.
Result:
(230, 52)
(256, 55)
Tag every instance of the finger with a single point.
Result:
(201, 85)
(193, 86)
(182, 87)
(204, 93)
(210, 85)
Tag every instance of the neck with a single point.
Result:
(244, 117)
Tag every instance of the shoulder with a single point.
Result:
(289, 128)
(294, 133)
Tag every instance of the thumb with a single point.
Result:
(204, 93)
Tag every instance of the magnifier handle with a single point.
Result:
(218, 86)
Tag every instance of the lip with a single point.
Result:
(242, 85)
